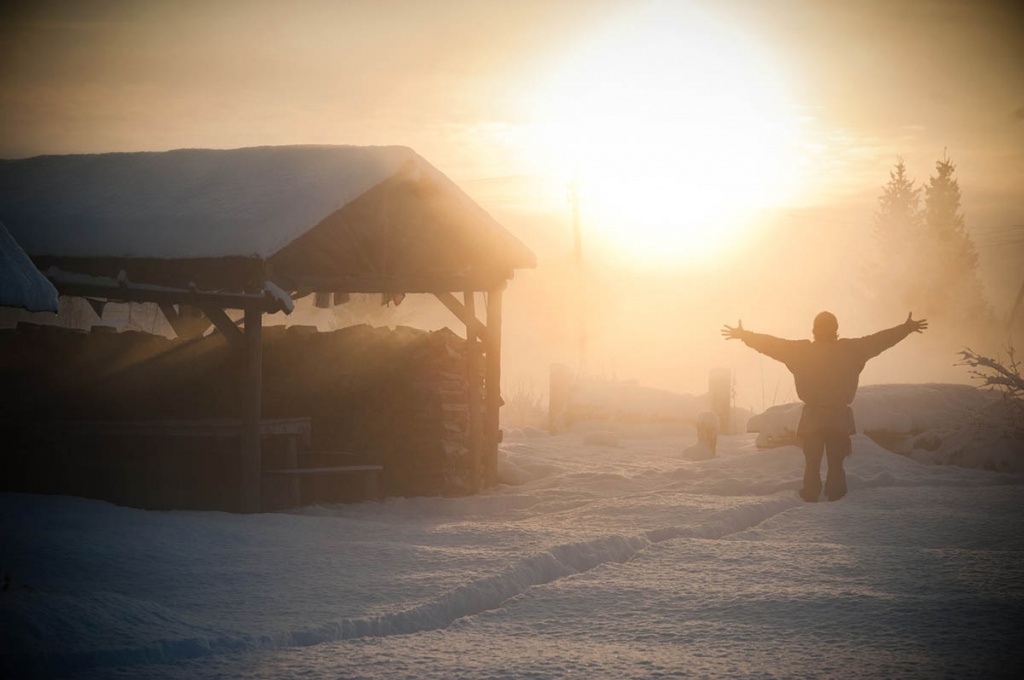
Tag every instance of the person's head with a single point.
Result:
(826, 327)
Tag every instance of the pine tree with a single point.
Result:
(898, 233)
(899, 213)
(956, 287)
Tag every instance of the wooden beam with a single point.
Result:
(492, 378)
(187, 322)
(394, 284)
(168, 296)
(251, 468)
(225, 325)
(464, 315)
(226, 428)
(207, 273)
(473, 377)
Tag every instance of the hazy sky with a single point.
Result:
(686, 122)
(456, 79)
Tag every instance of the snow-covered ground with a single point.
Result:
(615, 558)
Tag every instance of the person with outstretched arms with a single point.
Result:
(826, 372)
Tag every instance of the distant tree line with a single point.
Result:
(926, 260)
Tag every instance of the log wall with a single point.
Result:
(397, 398)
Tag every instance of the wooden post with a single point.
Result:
(720, 391)
(492, 370)
(252, 407)
(473, 376)
(291, 462)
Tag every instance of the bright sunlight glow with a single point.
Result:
(676, 131)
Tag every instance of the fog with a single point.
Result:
(661, 328)
(659, 325)
(468, 86)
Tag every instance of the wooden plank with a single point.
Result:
(252, 406)
(492, 377)
(460, 311)
(336, 470)
(224, 324)
(187, 321)
(473, 377)
(225, 428)
(168, 296)
(293, 485)
(331, 453)
(394, 284)
(299, 426)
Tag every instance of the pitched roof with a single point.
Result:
(252, 203)
(21, 284)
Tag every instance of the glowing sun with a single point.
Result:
(677, 130)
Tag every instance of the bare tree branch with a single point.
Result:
(1004, 376)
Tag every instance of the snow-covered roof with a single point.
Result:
(192, 204)
(21, 284)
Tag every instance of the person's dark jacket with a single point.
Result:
(826, 372)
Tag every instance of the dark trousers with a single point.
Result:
(836, 446)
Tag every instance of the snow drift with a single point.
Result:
(932, 423)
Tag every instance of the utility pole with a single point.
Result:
(581, 294)
(1016, 307)
(574, 198)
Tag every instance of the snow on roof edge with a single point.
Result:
(21, 284)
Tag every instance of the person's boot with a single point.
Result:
(811, 490)
(835, 482)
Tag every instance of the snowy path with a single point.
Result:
(610, 561)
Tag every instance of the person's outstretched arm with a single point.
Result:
(777, 348)
(875, 344)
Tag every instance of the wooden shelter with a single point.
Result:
(253, 229)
